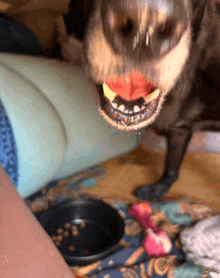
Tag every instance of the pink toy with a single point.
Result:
(156, 242)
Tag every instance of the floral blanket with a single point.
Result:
(131, 261)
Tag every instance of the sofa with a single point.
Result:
(58, 131)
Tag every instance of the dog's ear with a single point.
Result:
(78, 16)
(198, 10)
(204, 16)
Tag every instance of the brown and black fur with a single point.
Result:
(187, 72)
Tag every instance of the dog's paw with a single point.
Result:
(152, 192)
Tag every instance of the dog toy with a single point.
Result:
(156, 242)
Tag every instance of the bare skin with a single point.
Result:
(26, 249)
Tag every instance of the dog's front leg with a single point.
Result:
(178, 138)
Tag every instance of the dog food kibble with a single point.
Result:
(67, 226)
(66, 234)
(54, 238)
(60, 231)
(83, 225)
(71, 248)
(75, 231)
(57, 243)
(85, 252)
(74, 228)
(60, 237)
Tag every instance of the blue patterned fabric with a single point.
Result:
(130, 260)
(8, 150)
(133, 262)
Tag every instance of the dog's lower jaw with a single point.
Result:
(156, 191)
(134, 127)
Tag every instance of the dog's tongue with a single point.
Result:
(130, 86)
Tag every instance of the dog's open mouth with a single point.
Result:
(129, 101)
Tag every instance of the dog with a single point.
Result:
(155, 63)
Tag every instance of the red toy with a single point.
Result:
(156, 242)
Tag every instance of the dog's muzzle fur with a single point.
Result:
(126, 38)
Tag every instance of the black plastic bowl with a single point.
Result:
(97, 226)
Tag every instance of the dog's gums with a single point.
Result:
(130, 86)
(152, 95)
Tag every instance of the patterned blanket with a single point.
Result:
(131, 261)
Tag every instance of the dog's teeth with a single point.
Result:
(136, 109)
(121, 108)
(108, 92)
(114, 105)
(152, 96)
(143, 107)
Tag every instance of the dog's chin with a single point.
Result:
(130, 115)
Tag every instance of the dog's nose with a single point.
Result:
(143, 28)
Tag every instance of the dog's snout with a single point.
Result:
(140, 30)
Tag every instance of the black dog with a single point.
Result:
(157, 63)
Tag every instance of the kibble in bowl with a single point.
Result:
(84, 230)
